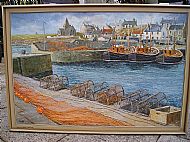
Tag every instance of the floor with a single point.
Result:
(7, 136)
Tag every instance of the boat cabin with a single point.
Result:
(118, 49)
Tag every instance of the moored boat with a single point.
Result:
(130, 53)
(118, 53)
(171, 56)
(144, 55)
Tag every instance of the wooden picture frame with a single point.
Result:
(120, 69)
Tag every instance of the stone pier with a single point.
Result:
(32, 64)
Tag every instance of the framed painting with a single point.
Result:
(110, 69)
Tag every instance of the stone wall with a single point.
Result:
(32, 65)
(77, 56)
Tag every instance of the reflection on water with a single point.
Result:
(132, 76)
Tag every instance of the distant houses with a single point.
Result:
(90, 31)
(165, 23)
(166, 30)
(172, 31)
(130, 24)
(107, 31)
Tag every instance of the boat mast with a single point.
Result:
(128, 40)
(174, 34)
(114, 37)
(147, 39)
(121, 38)
(174, 40)
(150, 37)
(140, 38)
(150, 33)
(168, 38)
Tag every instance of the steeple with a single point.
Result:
(66, 24)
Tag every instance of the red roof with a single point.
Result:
(137, 31)
(109, 31)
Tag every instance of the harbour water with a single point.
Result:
(153, 77)
(132, 76)
(20, 48)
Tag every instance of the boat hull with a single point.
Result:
(135, 57)
(116, 56)
(132, 57)
(168, 59)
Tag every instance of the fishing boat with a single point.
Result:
(139, 53)
(142, 53)
(118, 52)
(170, 56)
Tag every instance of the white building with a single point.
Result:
(177, 32)
(152, 31)
(90, 31)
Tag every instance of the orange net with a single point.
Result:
(60, 111)
(79, 48)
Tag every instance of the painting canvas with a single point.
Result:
(97, 70)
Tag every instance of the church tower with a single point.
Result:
(66, 24)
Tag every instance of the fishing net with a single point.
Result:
(60, 111)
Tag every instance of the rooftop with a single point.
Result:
(176, 27)
(153, 28)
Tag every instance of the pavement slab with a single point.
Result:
(110, 138)
(171, 138)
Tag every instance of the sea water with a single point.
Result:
(20, 48)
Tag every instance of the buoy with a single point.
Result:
(40, 109)
(26, 100)
(21, 97)
(16, 94)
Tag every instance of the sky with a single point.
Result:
(31, 23)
